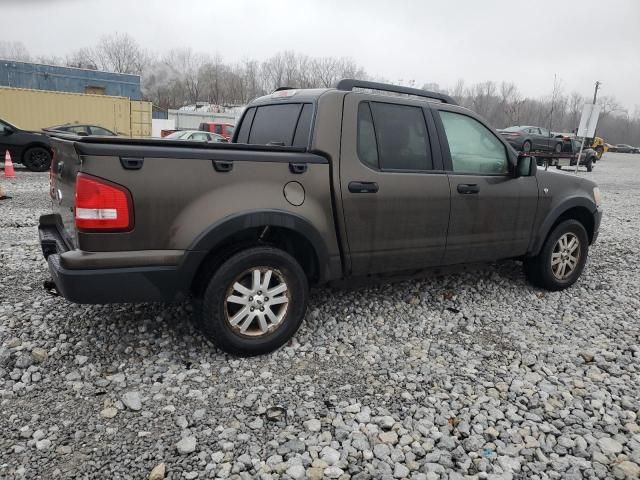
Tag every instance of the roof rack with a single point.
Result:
(279, 89)
(349, 84)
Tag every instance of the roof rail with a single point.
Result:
(279, 89)
(349, 84)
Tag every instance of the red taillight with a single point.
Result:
(102, 205)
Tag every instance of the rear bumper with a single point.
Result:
(111, 282)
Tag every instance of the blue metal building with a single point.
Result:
(68, 79)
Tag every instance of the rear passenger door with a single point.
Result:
(395, 195)
(492, 212)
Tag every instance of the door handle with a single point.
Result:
(468, 188)
(363, 187)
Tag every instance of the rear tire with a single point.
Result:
(254, 302)
(589, 165)
(546, 270)
(37, 159)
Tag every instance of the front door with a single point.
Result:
(395, 195)
(492, 213)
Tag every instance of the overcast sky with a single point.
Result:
(427, 41)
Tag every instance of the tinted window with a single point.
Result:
(367, 148)
(245, 126)
(78, 129)
(275, 124)
(100, 131)
(301, 138)
(474, 148)
(401, 135)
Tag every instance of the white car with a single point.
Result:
(196, 136)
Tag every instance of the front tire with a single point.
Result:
(589, 165)
(557, 148)
(255, 301)
(599, 151)
(37, 159)
(561, 259)
(526, 146)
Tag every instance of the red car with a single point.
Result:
(224, 129)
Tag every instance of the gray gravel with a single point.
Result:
(472, 375)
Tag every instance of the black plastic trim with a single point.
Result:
(240, 152)
(297, 168)
(222, 166)
(211, 238)
(545, 228)
(131, 163)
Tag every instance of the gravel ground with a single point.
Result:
(472, 375)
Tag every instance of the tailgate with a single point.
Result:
(64, 167)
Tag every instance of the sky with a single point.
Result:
(426, 41)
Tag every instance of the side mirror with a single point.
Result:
(7, 130)
(525, 166)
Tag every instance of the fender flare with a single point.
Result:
(545, 228)
(213, 236)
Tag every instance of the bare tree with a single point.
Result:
(82, 58)
(14, 51)
(120, 53)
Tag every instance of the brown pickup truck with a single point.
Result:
(322, 185)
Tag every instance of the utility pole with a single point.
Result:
(595, 93)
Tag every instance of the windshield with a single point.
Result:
(177, 135)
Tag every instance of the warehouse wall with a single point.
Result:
(66, 79)
(37, 109)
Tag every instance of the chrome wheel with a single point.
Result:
(565, 256)
(257, 301)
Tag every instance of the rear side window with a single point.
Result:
(367, 148)
(301, 138)
(275, 124)
(245, 126)
(287, 124)
(393, 135)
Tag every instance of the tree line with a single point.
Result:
(183, 77)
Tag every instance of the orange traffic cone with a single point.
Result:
(9, 172)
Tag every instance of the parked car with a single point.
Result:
(84, 130)
(528, 139)
(224, 129)
(196, 136)
(625, 148)
(30, 148)
(319, 186)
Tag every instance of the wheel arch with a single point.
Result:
(577, 208)
(290, 232)
(34, 144)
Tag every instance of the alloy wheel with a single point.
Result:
(565, 256)
(257, 301)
